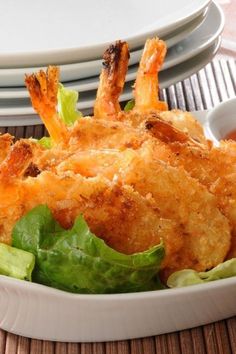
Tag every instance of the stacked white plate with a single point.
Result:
(73, 34)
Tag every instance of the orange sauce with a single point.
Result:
(231, 135)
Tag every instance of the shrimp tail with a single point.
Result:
(112, 80)
(146, 85)
(167, 133)
(43, 87)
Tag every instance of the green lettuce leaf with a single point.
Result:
(76, 260)
(16, 263)
(189, 277)
(129, 105)
(67, 100)
(45, 142)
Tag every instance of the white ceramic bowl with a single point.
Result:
(37, 311)
(221, 121)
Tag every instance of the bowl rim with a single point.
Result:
(169, 292)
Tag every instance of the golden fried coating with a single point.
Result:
(11, 208)
(94, 133)
(118, 214)
(182, 221)
(91, 134)
(182, 135)
(12, 170)
(213, 167)
(196, 215)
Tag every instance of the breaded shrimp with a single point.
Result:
(11, 171)
(112, 80)
(104, 204)
(182, 222)
(178, 197)
(91, 134)
(213, 167)
(121, 216)
(94, 133)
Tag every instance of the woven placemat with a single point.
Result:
(211, 85)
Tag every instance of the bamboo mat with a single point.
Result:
(211, 85)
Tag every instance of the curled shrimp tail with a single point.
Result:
(167, 133)
(146, 85)
(43, 87)
(17, 161)
(112, 80)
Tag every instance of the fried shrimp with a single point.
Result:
(213, 167)
(147, 217)
(11, 171)
(196, 215)
(147, 104)
(179, 126)
(104, 204)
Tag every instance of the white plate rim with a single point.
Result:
(57, 54)
(90, 84)
(92, 68)
(179, 70)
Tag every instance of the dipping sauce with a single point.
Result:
(231, 135)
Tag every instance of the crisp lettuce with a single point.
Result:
(67, 100)
(189, 277)
(76, 260)
(129, 105)
(45, 142)
(16, 263)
